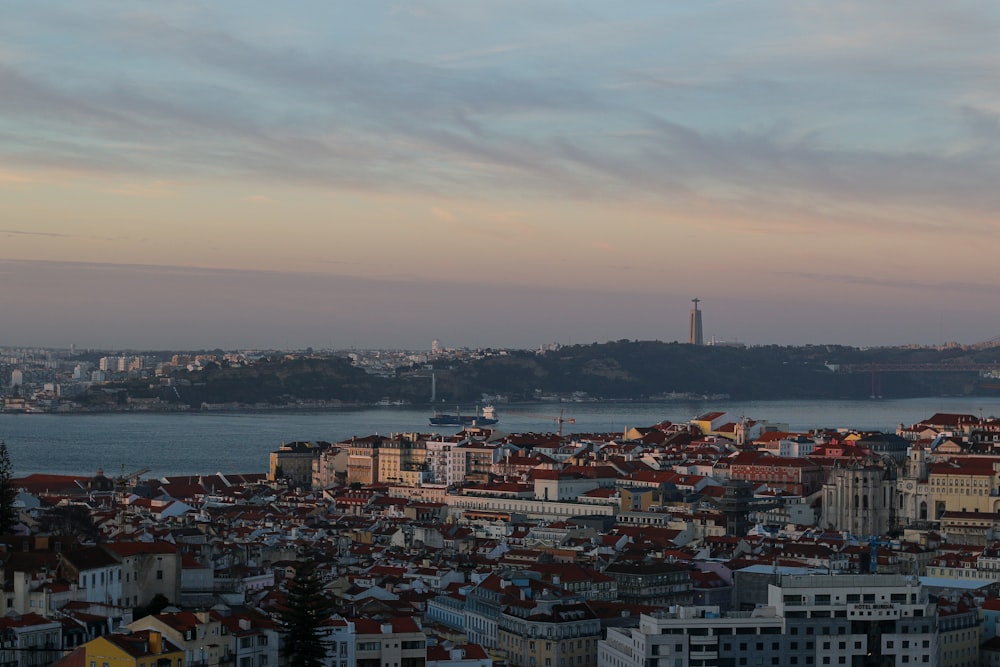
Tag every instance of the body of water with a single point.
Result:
(174, 444)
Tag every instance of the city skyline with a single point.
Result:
(380, 175)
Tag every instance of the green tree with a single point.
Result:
(306, 609)
(8, 492)
(70, 520)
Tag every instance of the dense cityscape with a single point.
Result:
(684, 542)
(499, 334)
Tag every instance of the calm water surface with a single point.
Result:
(173, 444)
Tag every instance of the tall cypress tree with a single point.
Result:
(307, 608)
(8, 494)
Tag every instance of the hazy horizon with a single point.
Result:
(188, 317)
(378, 175)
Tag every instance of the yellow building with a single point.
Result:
(197, 634)
(363, 460)
(964, 485)
(549, 633)
(959, 633)
(640, 499)
(293, 462)
(708, 422)
(403, 460)
(138, 649)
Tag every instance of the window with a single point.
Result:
(159, 574)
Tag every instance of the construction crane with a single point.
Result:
(122, 484)
(560, 419)
(874, 541)
(124, 479)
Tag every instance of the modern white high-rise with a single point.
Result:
(808, 620)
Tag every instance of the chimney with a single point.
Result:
(155, 642)
(386, 628)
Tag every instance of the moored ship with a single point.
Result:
(486, 418)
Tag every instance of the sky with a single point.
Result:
(381, 174)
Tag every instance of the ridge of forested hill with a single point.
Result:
(620, 370)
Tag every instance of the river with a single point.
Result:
(176, 444)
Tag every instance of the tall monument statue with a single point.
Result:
(695, 336)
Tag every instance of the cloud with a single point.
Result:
(913, 285)
(787, 129)
(442, 214)
(155, 189)
(16, 178)
(253, 308)
(20, 232)
(221, 103)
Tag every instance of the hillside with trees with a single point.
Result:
(619, 370)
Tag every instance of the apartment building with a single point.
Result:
(548, 632)
(394, 642)
(808, 620)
